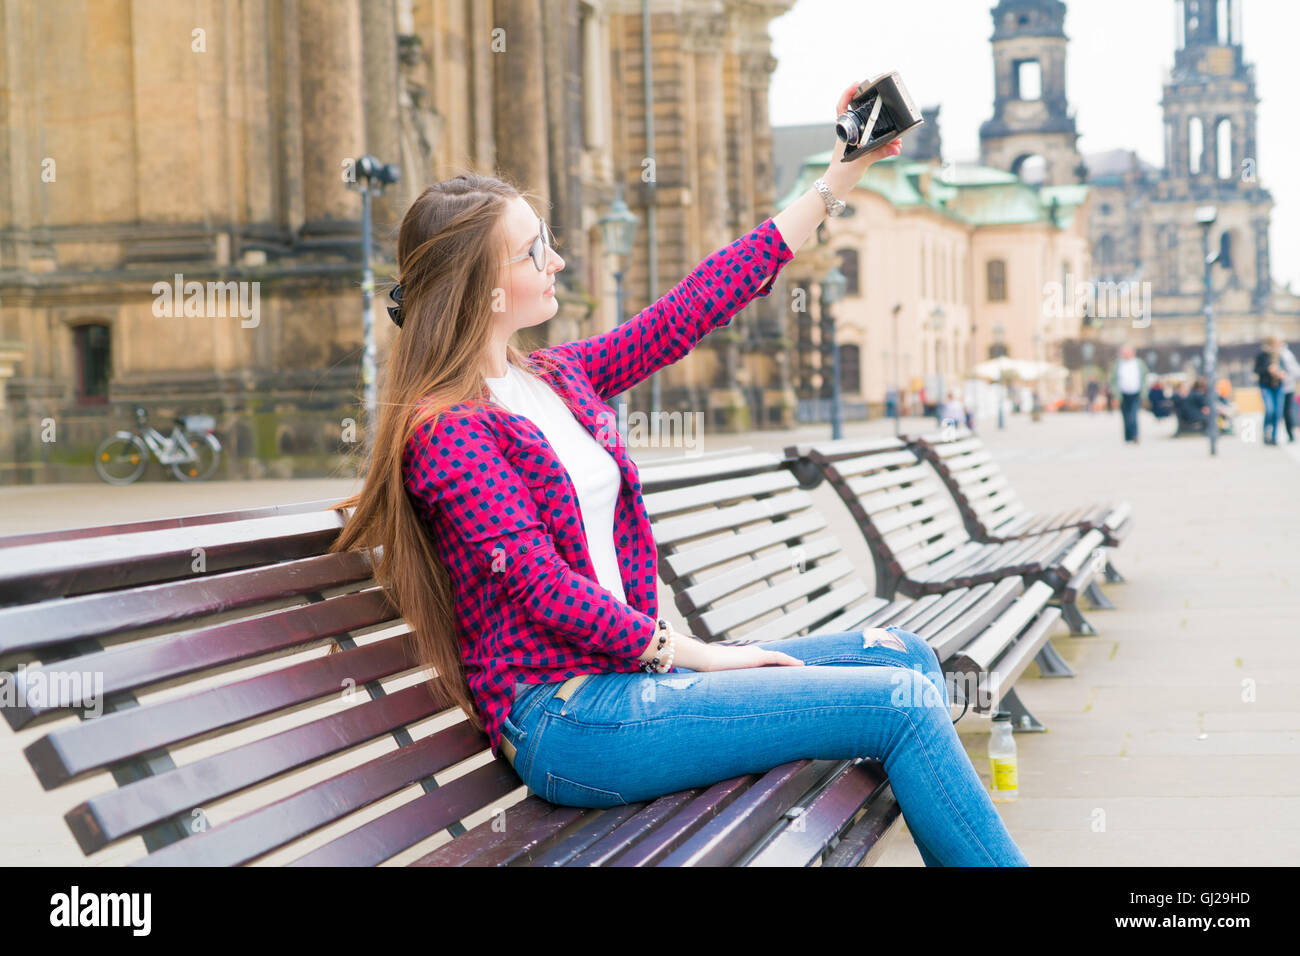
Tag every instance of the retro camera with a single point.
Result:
(879, 110)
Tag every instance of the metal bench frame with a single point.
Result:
(993, 512)
(917, 537)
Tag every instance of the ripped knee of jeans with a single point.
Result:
(879, 637)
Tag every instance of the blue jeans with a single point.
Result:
(1272, 411)
(624, 738)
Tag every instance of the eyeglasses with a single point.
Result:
(538, 249)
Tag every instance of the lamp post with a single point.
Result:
(999, 333)
(618, 233)
(898, 377)
(832, 290)
(1206, 216)
(937, 318)
(370, 178)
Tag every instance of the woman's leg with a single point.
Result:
(1271, 402)
(627, 737)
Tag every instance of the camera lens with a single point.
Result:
(847, 129)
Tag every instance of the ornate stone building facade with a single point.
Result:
(1144, 225)
(1032, 131)
(149, 140)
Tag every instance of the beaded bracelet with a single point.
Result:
(665, 637)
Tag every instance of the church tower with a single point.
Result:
(1032, 132)
(1210, 153)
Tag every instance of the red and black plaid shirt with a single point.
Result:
(504, 514)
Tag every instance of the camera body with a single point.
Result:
(879, 110)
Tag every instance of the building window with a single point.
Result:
(1195, 145)
(1105, 253)
(849, 266)
(1223, 142)
(91, 344)
(996, 280)
(1029, 80)
(850, 369)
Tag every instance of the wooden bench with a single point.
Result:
(918, 539)
(748, 554)
(223, 733)
(993, 512)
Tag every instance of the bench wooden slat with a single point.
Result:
(865, 840)
(865, 484)
(856, 616)
(260, 831)
(985, 649)
(663, 504)
(775, 597)
(36, 627)
(384, 837)
(823, 818)
(751, 572)
(110, 816)
(632, 831)
(808, 615)
(68, 535)
(670, 835)
(204, 649)
(723, 839)
(958, 629)
(681, 564)
(530, 823)
(51, 569)
(67, 752)
(672, 531)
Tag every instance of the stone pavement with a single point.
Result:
(1177, 743)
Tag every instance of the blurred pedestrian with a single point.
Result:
(1290, 376)
(1127, 378)
(1268, 369)
(1092, 391)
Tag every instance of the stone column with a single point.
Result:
(519, 101)
(329, 43)
(562, 50)
(381, 111)
(703, 37)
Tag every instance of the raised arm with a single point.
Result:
(718, 288)
(666, 331)
(456, 468)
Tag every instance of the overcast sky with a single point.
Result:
(1119, 57)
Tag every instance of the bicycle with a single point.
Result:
(191, 450)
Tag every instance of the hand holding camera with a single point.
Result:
(871, 117)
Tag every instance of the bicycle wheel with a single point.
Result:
(207, 455)
(122, 458)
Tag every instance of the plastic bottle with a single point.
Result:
(1003, 786)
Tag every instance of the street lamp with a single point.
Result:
(999, 346)
(618, 234)
(369, 177)
(937, 318)
(898, 377)
(832, 290)
(1206, 216)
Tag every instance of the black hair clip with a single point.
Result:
(395, 311)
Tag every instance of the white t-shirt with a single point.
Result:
(591, 468)
(1130, 376)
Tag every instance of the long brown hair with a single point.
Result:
(450, 250)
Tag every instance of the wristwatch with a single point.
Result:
(834, 207)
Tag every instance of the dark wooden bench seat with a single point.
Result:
(747, 554)
(993, 512)
(917, 536)
(227, 735)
